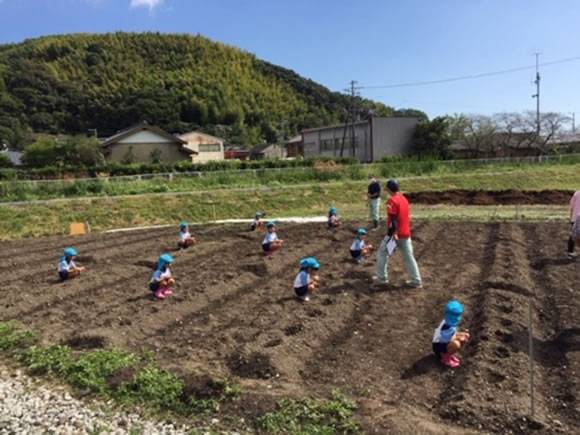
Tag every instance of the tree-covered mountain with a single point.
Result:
(72, 83)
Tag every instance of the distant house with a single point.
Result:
(15, 156)
(372, 140)
(145, 143)
(234, 152)
(295, 147)
(205, 146)
(268, 151)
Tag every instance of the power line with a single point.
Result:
(473, 76)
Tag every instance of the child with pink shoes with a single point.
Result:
(162, 279)
(447, 340)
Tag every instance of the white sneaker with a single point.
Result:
(380, 281)
(304, 298)
(413, 284)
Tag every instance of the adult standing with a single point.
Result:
(374, 200)
(574, 218)
(399, 227)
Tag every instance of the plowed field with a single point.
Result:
(233, 314)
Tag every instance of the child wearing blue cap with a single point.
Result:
(304, 283)
(333, 221)
(359, 248)
(67, 269)
(447, 340)
(185, 237)
(271, 242)
(162, 278)
(257, 222)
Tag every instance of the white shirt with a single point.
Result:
(270, 237)
(184, 236)
(65, 266)
(357, 245)
(302, 279)
(160, 275)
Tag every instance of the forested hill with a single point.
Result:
(72, 83)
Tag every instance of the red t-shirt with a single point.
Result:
(398, 205)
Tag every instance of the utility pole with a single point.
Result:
(573, 122)
(353, 91)
(537, 96)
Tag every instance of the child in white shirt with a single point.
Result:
(359, 248)
(162, 278)
(67, 268)
(333, 221)
(304, 283)
(185, 237)
(271, 242)
(257, 222)
(447, 340)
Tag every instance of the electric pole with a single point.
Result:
(351, 118)
(537, 96)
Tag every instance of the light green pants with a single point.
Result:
(406, 248)
(374, 205)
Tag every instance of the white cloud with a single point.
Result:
(151, 4)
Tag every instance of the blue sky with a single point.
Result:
(377, 42)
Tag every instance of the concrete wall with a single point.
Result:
(393, 136)
(328, 142)
(194, 139)
(143, 143)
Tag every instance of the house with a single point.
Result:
(295, 147)
(268, 151)
(234, 152)
(15, 156)
(368, 140)
(205, 146)
(145, 143)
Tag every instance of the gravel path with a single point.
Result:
(27, 407)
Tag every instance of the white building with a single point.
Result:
(205, 146)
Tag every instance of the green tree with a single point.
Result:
(43, 152)
(5, 162)
(432, 138)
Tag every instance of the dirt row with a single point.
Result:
(492, 197)
(233, 314)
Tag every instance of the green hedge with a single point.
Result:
(119, 169)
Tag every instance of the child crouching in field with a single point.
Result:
(162, 280)
(304, 283)
(447, 341)
(333, 221)
(257, 222)
(359, 248)
(185, 237)
(271, 241)
(67, 268)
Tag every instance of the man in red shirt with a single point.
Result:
(399, 228)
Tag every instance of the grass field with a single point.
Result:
(21, 190)
(53, 218)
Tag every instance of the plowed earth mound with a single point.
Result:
(491, 197)
(233, 314)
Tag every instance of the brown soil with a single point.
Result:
(234, 314)
(491, 197)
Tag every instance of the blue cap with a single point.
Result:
(309, 262)
(393, 185)
(332, 210)
(361, 231)
(164, 259)
(183, 224)
(258, 213)
(271, 224)
(70, 252)
(453, 312)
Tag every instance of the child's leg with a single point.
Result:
(189, 242)
(454, 345)
(74, 273)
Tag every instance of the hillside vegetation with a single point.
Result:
(72, 83)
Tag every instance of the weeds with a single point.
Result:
(309, 416)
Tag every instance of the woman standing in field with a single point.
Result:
(574, 222)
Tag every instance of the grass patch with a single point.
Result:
(35, 220)
(309, 416)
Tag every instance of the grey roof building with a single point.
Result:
(374, 139)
